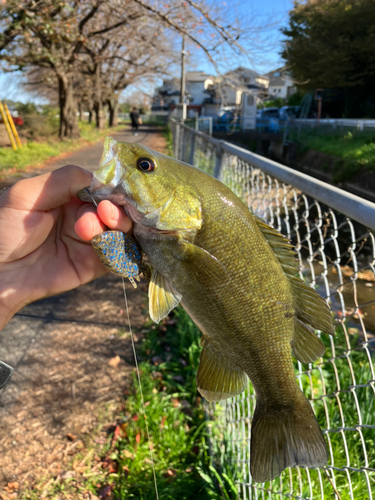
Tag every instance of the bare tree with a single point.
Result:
(51, 34)
(65, 36)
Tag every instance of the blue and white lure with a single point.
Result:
(120, 254)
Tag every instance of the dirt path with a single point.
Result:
(89, 156)
(72, 358)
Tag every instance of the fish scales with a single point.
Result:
(236, 277)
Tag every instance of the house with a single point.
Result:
(197, 83)
(228, 90)
(280, 84)
(168, 95)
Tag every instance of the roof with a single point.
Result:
(242, 71)
(197, 76)
(277, 81)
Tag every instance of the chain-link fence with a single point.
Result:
(336, 250)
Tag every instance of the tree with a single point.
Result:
(51, 34)
(331, 44)
(60, 35)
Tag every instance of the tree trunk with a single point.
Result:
(68, 119)
(113, 111)
(80, 111)
(98, 98)
(90, 116)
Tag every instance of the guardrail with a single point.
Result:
(333, 233)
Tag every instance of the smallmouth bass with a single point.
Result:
(236, 278)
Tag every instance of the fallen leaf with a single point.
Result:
(14, 485)
(114, 362)
(163, 422)
(71, 437)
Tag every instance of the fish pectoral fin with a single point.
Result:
(283, 437)
(205, 266)
(162, 298)
(306, 346)
(218, 377)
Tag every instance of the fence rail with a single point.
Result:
(333, 233)
(337, 122)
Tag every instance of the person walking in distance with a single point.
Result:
(136, 121)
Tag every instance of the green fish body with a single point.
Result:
(236, 277)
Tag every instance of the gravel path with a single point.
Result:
(72, 356)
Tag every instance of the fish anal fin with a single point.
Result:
(306, 346)
(162, 297)
(285, 437)
(218, 377)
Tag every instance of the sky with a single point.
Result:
(265, 53)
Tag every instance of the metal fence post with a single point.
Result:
(176, 140)
(183, 145)
(180, 140)
(210, 127)
(192, 149)
(219, 160)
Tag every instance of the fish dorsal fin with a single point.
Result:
(162, 298)
(281, 246)
(218, 378)
(306, 346)
(309, 306)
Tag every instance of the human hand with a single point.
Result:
(45, 234)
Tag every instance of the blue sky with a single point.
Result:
(265, 56)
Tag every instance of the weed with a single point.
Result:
(355, 149)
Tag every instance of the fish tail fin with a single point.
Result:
(286, 437)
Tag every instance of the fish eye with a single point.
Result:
(146, 164)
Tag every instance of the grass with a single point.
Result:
(36, 153)
(355, 150)
(177, 424)
(184, 467)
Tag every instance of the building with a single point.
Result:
(197, 84)
(227, 91)
(280, 84)
(168, 95)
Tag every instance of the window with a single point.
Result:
(277, 73)
(250, 100)
(279, 91)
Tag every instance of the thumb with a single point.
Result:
(47, 191)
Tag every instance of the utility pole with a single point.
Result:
(183, 84)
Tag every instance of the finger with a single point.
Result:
(88, 223)
(114, 217)
(48, 191)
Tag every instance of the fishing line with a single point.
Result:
(138, 375)
(140, 390)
